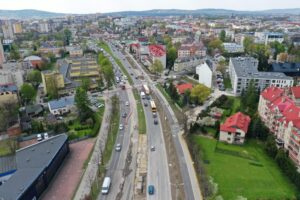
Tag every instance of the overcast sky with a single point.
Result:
(93, 6)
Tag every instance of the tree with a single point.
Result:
(8, 114)
(67, 37)
(222, 36)
(27, 92)
(14, 52)
(34, 77)
(199, 93)
(82, 103)
(171, 57)
(157, 67)
(85, 83)
(248, 45)
(279, 48)
(270, 146)
(52, 89)
(215, 44)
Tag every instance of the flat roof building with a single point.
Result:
(244, 69)
(36, 166)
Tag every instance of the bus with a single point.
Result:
(153, 106)
(106, 185)
(146, 89)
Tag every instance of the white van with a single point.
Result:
(106, 185)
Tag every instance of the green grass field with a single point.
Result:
(4, 147)
(227, 83)
(240, 176)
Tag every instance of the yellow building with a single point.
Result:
(52, 78)
(17, 27)
(84, 68)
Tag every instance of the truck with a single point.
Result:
(146, 89)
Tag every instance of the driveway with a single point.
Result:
(68, 177)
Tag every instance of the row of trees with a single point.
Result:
(106, 69)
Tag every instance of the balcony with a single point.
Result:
(293, 158)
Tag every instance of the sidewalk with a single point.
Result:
(91, 170)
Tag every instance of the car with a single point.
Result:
(100, 105)
(222, 89)
(148, 97)
(145, 104)
(39, 137)
(151, 189)
(131, 74)
(121, 127)
(118, 147)
(154, 115)
(46, 136)
(155, 121)
(124, 115)
(59, 118)
(152, 148)
(136, 77)
(127, 103)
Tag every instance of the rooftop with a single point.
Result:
(247, 67)
(157, 50)
(236, 121)
(61, 103)
(8, 88)
(31, 162)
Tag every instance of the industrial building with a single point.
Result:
(36, 166)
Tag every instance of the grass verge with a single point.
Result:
(243, 171)
(140, 111)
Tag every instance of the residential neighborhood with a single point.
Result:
(142, 100)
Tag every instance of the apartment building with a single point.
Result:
(233, 48)
(2, 58)
(85, 67)
(7, 30)
(267, 37)
(194, 49)
(187, 63)
(244, 69)
(17, 28)
(279, 110)
(205, 74)
(158, 52)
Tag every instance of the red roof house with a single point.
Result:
(235, 128)
(181, 88)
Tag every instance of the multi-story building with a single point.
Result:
(2, 57)
(205, 74)
(187, 63)
(52, 79)
(233, 48)
(158, 52)
(43, 27)
(279, 110)
(7, 30)
(17, 28)
(267, 37)
(244, 69)
(193, 49)
(8, 94)
(15, 76)
(85, 67)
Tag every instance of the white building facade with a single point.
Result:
(205, 74)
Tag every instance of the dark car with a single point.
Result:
(124, 115)
(155, 121)
(145, 104)
(151, 189)
(154, 115)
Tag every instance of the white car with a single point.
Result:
(121, 127)
(39, 137)
(118, 147)
(46, 136)
(127, 103)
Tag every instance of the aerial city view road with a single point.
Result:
(131, 100)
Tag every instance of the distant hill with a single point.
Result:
(216, 12)
(28, 14)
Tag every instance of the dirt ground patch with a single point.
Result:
(68, 177)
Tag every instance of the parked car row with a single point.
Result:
(220, 81)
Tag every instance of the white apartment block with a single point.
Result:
(244, 69)
(205, 74)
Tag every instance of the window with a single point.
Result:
(228, 139)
